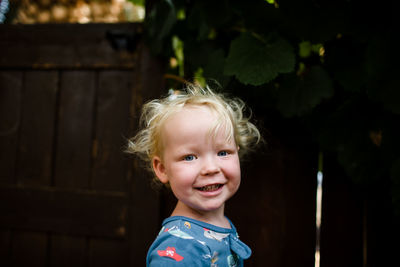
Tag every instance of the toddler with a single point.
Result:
(192, 141)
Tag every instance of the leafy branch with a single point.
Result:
(324, 64)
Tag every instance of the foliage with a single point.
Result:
(325, 64)
(137, 2)
(257, 61)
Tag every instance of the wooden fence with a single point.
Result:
(69, 98)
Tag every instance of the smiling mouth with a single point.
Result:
(210, 188)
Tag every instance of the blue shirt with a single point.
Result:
(187, 242)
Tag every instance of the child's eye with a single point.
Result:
(189, 158)
(222, 153)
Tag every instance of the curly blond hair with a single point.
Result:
(147, 142)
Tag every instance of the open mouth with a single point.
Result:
(210, 188)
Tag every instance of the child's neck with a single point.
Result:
(215, 217)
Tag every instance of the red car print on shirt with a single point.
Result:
(171, 253)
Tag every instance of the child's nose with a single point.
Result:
(209, 167)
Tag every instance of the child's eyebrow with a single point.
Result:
(187, 149)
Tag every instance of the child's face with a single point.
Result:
(202, 170)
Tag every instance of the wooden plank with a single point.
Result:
(29, 249)
(5, 247)
(145, 200)
(258, 209)
(274, 208)
(55, 46)
(342, 225)
(68, 251)
(49, 209)
(69, 215)
(74, 139)
(104, 253)
(35, 152)
(10, 113)
(151, 76)
(300, 189)
(113, 100)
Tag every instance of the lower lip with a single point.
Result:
(211, 193)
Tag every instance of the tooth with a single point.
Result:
(210, 187)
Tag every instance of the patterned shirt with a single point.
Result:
(187, 242)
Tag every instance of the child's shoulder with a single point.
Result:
(190, 229)
(205, 233)
(179, 241)
(195, 243)
(193, 224)
(180, 227)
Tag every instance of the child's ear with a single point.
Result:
(159, 169)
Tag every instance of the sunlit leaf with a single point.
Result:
(181, 14)
(305, 49)
(255, 61)
(199, 77)
(177, 45)
(137, 2)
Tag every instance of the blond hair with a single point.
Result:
(147, 142)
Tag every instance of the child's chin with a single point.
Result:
(210, 208)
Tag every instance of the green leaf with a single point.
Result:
(214, 67)
(255, 61)
(207, 15)
(161, 19)
(208, 57)
(298, 95)
(177, 45)
(305, 49)
(137, 2)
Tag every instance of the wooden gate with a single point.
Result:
(69, 98)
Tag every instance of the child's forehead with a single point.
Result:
(189, 113)
(193, 114)
(197, 107)
(192, 109)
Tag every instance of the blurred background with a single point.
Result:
(75, 11)
(321, 79)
